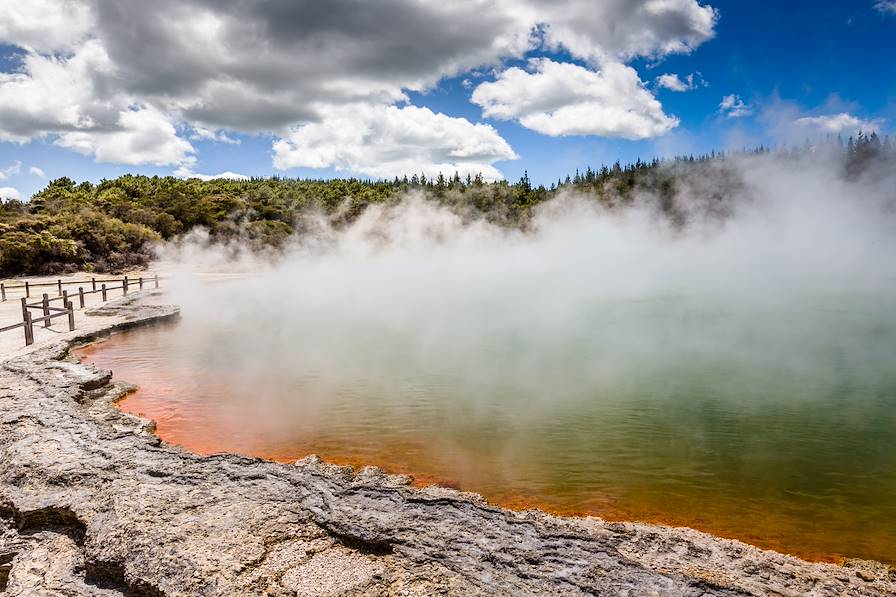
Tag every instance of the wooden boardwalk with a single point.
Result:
(45, 307)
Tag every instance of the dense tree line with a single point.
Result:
(115, 224)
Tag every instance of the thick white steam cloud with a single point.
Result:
(603, 352)
(588, 297)
(733, 372)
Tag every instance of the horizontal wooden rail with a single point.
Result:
(57, 309)
(41, 304)
(90, 281)
(125, 281)
(68, 309)
(12, 327)
(50, 316)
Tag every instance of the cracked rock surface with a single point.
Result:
(92, 503)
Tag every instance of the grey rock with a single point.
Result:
(92, 503)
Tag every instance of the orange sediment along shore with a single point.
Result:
(202, 437)
(194, 409)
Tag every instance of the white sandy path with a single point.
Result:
(12, 342)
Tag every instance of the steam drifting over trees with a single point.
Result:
(117, 223)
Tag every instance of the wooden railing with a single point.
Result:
(49, 312)
(60, 283)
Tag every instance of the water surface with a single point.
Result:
(778, 428)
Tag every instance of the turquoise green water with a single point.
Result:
(776, 425)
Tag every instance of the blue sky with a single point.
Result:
(82, 102)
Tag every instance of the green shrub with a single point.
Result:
(26, 252)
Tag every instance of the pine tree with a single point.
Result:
(524, 182)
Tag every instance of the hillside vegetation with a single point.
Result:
(116, 224)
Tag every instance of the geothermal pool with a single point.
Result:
(778, 428)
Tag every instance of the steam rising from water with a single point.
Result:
(800, 279)
(733, 374)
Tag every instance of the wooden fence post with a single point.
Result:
(140, 282)
(3, 290)
(64, 298)
(29, 329)
(27, 290)
(46, 306)
(157, 280)
(81, 296)
(93, 282)
(124, 286)
(104, 293)
(24, 308)
(71, 316)
(59, 284)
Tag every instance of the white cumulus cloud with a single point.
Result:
(209, 68)
(558, 99)
(733, 106)
(842, 123)
(44, 25)
(203, 134)
(142, 136)
(185, 172)
(385, 141)
(261, 66)
(15, 168)
(37, 172)
(9, 193)
(51, 94)
(622, 29)
(673, 82)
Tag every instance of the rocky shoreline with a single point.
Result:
(93, 503)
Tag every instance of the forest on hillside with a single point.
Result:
(116, 224)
